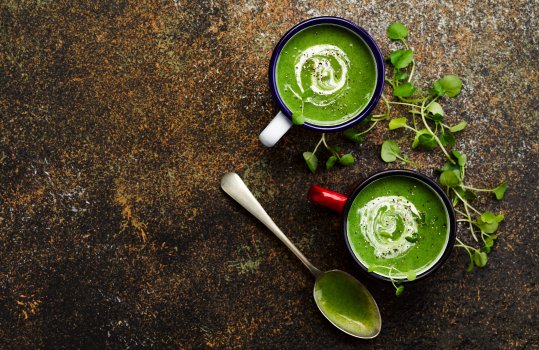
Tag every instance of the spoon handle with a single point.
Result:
(236, 188)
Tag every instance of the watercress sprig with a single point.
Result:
(312, 160)
(430, 132)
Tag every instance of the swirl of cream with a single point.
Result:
(385, 223)
(324, 80)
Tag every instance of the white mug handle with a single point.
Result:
(275, 130)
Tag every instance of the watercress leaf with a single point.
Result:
(370, 269)
(331, 162)
(450, 85)
(448, 178)
(386, 234)
(486, 249)
(499, 191)
(489, 242)
(311, 160)
(411, 275)
(449, 166)
(394, 57)
(437, 89)
(390, 151)
(487, 223)
(447, 139)
(480, 259)
(460, 157)
(401, 75)
(353, 135)
(437, 117)
(435, 108)
(347, 159)
(404, 90)
(399, 290)
(397, 123)
(298, 119)
(466, 194)
(404, 59)
(500, 217)
(488, 217)
(458, 127)
(424, 140)
(470, 265)
(397, 31)
(411, 239)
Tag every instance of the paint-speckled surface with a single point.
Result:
(118, 119)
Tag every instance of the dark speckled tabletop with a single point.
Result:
(119, 118)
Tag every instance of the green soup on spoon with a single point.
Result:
(347, 304)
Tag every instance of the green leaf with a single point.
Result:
(437, 117)
(405, 59)
(397, 31)
(467, 195)
(311, 160)
(500, 190)
(414, 238)
(411, 275)
(401, 76)
(404, 90)
(298, 119)
(460, 157)
(386, 234)
(470, 265)
(401, 58)
(435, 108)
(390, 151)
(489, 242)
(488, 217)
(480, 259)
(353, 135)
(458, 127)
(347, 159)
(488, 222)
(399, 290)
(394, 56)
(370, 269)
(437, 89)
(331, 162)
(449, 85)
(424, 139)
(448, 178)
(447, 139)
(449, 166)
(397, 123)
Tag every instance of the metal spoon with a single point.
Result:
(328, 295)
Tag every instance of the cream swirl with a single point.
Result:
(386, 222)
(323, 62)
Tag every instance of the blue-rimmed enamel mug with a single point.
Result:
(282, 122)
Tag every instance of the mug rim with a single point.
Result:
(452, 223)
(362, 34)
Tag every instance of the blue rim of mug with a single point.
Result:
(362, 34)
(452, 222)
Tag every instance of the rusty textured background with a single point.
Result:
(118, 119)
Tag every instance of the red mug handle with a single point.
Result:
(327, 198)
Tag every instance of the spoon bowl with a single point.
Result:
(341, 298)
(347, 304)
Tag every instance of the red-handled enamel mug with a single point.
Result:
(397, 224)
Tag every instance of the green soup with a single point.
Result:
(398, 226)
(326, 73)
(347, 304)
